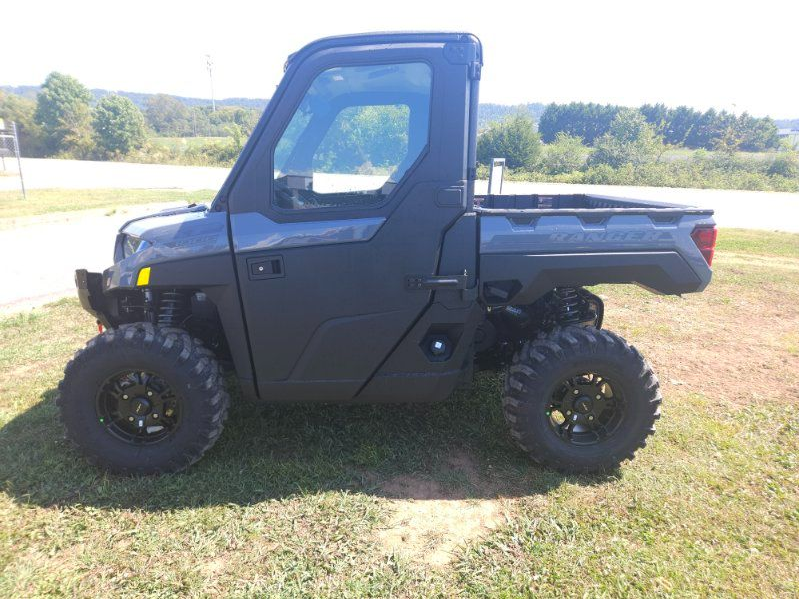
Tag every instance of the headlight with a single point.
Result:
(127, 245)
(131, 245)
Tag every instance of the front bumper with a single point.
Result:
(91, 296)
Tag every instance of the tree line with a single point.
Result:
(681, 126)
(631, 151)
(65, 120)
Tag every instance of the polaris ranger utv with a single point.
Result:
(346, 258)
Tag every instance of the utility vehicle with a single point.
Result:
(347, 258)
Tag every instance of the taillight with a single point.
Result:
(705, 239)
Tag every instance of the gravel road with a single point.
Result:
(40, 254)
(46, 173)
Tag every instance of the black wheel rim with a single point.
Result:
(138, 407)
(586, 408)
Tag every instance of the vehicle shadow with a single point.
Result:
(459, 449)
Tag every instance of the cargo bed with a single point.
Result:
(532, 243)
(498, 204)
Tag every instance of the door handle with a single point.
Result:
(414, 282)
(265, 267)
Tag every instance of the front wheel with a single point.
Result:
(143, 400)
(580, 399)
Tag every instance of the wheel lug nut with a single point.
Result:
(599, 397)
(568, 412)
(130, 418)
(590, 418)
(124, 397)
(149, 394)
(577, 392)
(155, 415)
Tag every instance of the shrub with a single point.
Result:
(699, 173)
(630, 140)
(514, 139)
(785, 164)
(566, 154)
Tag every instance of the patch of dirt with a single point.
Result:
(431, 520)
(775, 262)
(729, 343)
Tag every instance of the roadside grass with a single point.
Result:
(296, 500)
(748, 241)
(46, 201)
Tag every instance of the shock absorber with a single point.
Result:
(569, 305)
(172, 308)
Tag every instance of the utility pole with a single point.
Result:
(209, 64)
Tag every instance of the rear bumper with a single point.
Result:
(91, 296)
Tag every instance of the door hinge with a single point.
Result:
(475, 69)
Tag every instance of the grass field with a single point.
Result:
(46, 201)
(435, 500)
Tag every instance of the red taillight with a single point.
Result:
(705, 239)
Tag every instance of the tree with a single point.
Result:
(63, 113)
(366, 140)
(226, 116)
(757, 135)
(20, 110)
(587, 121)
(630, 140)
(682, 121)
(168, 116)
(118, 125)
(514, 139)
(565, 155)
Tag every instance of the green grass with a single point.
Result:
(749, 241)
(46, 201)
(293, 500)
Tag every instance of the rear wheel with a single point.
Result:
(142, 400)
(580, 399)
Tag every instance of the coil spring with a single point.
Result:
(172, 308)
(569, 305)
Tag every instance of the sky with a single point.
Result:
(738, 56)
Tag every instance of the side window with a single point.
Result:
(355, 134)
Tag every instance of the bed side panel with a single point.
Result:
(525, 255)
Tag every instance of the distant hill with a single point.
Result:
(487, 113)
(140, 99)
(26, 91)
